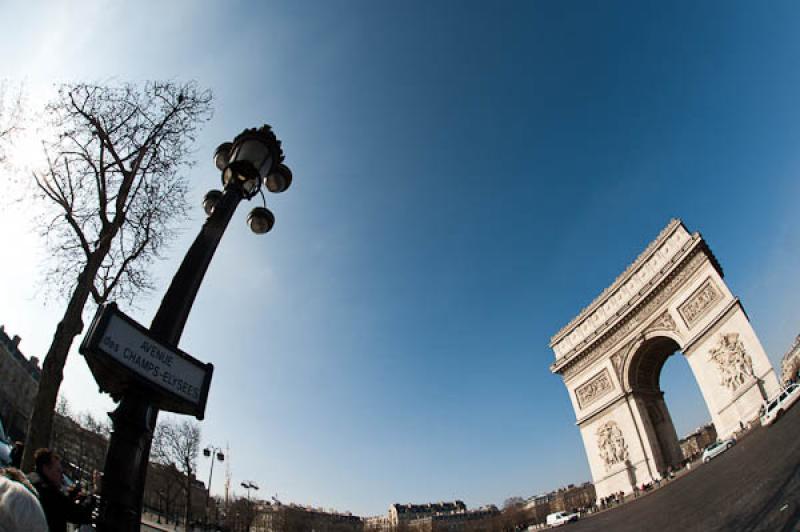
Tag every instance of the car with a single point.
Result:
(560, 518)
(772, 410)
(717, 448)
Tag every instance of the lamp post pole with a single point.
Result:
(248, 485)
(214, 453)
(254, 155)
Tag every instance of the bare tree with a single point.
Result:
(513, 502)
(10, 116)
(241, 514)
(178, 444)
(113, 186)
(64, 410)
(95, 425)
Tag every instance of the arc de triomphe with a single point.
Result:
(672, 298)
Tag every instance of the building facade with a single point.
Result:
(436, 516)
(790, 364)
(404, 513)
(568, 499)
(693, 444)
(165, 495)
(19, 382)
(287, 517)
(573, 498)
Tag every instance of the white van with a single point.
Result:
(775, 408)
(560, 518)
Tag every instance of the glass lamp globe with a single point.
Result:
(260, 220)
(211, 200)
(279, 179)
(222, 155)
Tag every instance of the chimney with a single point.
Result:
(16, 340)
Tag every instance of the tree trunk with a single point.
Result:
(40, 426)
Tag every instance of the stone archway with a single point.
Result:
(643, 379)
(672, 298)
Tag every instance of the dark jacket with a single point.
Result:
(59, 509)
(16, 456)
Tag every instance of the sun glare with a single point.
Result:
(27, 153)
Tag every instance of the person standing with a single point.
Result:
(20, 510)
(60, 507)
(16, 454)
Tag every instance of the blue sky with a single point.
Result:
(467, 177)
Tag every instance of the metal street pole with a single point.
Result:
(254, 156)
(213, 453)
(134, 420)
(208, 490)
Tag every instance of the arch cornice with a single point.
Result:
(634, 319)
(662, 237)
(628, 289)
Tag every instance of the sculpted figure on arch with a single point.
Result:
(611, 443)
(735, 365)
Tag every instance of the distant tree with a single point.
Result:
(112, 186)
(92, 424)
(93, 455)
(512, 502)
(164, 491)
(178, 444)
(64, 410)
(241, 514)
(247, 514)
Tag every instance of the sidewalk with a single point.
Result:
(150, 523)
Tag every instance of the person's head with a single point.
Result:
(48, 465)
(12, 473)
(19, 508)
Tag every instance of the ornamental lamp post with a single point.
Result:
(248, 485)
(213, 453)
(253, 158)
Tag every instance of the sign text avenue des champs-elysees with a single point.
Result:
(124, 358)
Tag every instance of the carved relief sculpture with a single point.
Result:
(611, 443)
(664, 323)
(699, 302)
(630, 285)
(594, 388)
(616, 360)
(734, 364)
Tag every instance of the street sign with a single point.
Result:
(125, 358)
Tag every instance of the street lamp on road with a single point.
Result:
(248, 485)
(253, 158)
(215, 453)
